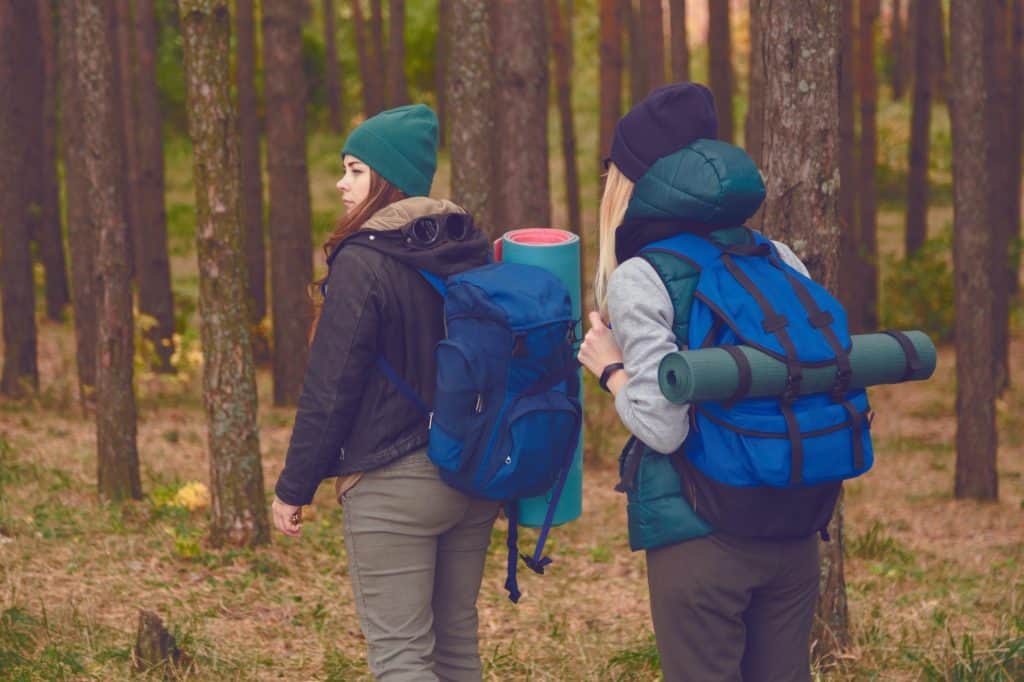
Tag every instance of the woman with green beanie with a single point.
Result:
(728, 602)
(415, 546)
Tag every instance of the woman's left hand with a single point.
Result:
(287, 517)
(599, 348)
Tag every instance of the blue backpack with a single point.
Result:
(745, 294)
(506, 418)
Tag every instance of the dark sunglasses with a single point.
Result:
(429, 230)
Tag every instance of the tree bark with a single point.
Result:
(379, 56)
(610, 67)
(369, 84)
(153, 267)
(976, 437)
(49, 236)
(470, 82)
(1004, 181)
(754, 124)
(82, 230)
(291, 239)
(940, 64)
(652, 41)
(638, 71)
(521, 78)
(680, 48)
(865, 312)
(398, 84)
(801, 147)
(720, 65)
(849, 271)
(561, 35)
(118, 462)
(1017, 114)
(444, 11)
(21, 81)
(124, 49)
(332, 69)
(897, 40)
(239, 515)
(920, 125)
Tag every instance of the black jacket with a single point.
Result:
(350, 417)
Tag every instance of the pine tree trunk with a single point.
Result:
(801, 162)
(561, 37)
(849, 270)
(920, 125)
(976, 437)
(610, 68)
(21, 81)
(118, 462)
(125, 58)
(1004, 184)
(444, 12)
(652, 32)
(332, 69)
(368, 82)
(865, 313)
(754, 125)
(720, 65)
(638, 71)
(252, 177)
(470, 82)
(897, 40)
(1015, 142)
(521, 79)
(379, 56)
(398, 85)
(940, 64)
(82, 231)
(153, 271)
(239, 515)
(291, 239)
(680, 48)
(49, 236)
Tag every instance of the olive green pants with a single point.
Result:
(734, 609)
(416, 550)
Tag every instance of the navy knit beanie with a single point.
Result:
(400, 144)
(664, 122)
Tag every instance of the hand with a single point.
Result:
(598, 349)
(287, 517)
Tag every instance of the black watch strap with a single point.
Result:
(607, 373)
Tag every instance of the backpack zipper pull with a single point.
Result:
(479, 403)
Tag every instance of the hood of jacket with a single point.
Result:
(389, 231)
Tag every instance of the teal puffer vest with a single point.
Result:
(710, 183)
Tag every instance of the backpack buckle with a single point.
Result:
(792, 389)
(430, 420)
(842, 384)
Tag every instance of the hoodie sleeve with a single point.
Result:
(641, 314)
(340, 358)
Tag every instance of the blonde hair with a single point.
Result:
(618, 189)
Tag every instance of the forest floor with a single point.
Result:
(935, 586)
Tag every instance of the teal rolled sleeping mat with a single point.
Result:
(714, 374)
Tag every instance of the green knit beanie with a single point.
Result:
(400, 144)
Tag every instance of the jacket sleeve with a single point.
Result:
(340, 359)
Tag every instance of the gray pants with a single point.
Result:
(416, 550)
(731, 609)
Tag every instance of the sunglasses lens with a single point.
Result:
(457, 225)
(425, 231)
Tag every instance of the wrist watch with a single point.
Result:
(607, 373)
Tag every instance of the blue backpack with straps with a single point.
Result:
(746, 294)
(506, 418)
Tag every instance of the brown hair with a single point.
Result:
(382, 193)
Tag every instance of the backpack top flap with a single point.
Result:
(522, 297)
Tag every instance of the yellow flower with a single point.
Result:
(193, 496)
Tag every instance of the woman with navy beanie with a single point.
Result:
(731, 599)
(415, 546)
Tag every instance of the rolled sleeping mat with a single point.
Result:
(558, 252)
(713, 374)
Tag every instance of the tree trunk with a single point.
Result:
(239, 515)
(561, 37)
(332, 69)
(82, 230)
(679, 46)
(291, 239)
(21, 80)
(865, 312)
(652, 41)
(849, 270)
(398, 85)
(801, 162)
(49, 236)
(720, 65)
(920, 125)
(124, 51)
(897, 40)
(521, 77)
(610, 67)
(444, 12)
(754, 124)
(470, 82)
(379, 56)
(252, 177)
(369, 83)
(1004, 183)
(153, 270)
(940, 64)
(638, 71)
(976, 437)
(1017, 114)
(118, 462)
